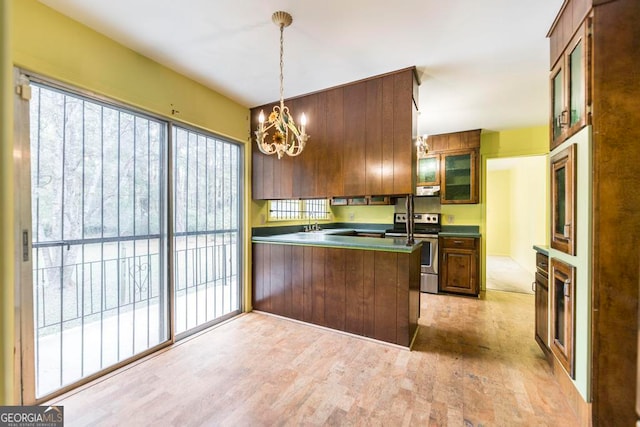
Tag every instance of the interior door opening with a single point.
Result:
(516, 220)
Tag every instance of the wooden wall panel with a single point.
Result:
(386, 269)
(354, 149)
(403, 148)
(335, 306)
(318, 285)
(354, 265)
(373, 137)
(369, 300)
(277, 280)
(307, 311)
(333, 160)
(616, 202)
(387, 152)
(369, 293)
(297, 282)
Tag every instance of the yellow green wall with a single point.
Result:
(498, 212)
(40, 40)
(6, 213)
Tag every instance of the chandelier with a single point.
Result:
(286, 138)
(422, 145)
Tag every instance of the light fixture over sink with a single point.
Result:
(286, 138)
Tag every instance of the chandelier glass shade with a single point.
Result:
(286, 137)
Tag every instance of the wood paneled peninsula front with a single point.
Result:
(361, 285)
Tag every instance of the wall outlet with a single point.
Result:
(450, 219)
(352, 216)
(263, 219)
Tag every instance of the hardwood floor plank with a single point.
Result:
(474, 363)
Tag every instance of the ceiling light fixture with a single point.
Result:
(286, 139)
(422, 146)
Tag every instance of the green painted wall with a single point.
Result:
(38, 39)
(582, 259)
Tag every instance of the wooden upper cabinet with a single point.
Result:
(453, 163)
(354, 148)
(360, 142)
(459, 178)
(570, 91)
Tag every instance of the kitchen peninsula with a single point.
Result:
(361, 285)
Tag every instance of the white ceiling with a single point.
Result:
(483, 63)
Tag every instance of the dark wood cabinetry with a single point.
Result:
(370, 293)
(612, 96)
(542, 302)
(563, 200)
(459, 267)
(361, 142)
(562, 314)
(453, 164)
(570, 95)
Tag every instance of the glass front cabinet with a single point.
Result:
(563, 200)
(562, 314)
(428, 169)
(569, 88)
(459, 180)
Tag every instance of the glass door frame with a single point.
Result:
(24, 362)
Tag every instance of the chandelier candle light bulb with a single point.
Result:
(286, 138)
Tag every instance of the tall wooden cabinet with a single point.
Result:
(601, 78)
(360, 142)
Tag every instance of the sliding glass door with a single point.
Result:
(207, 234)
(99, 235)
(98, 287)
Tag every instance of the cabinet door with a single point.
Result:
(429, 170)
(569, 88)
(562, 314)
(542, 312)
(459, 180)
(459, 271)
(563, 200)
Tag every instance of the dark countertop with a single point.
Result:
(336, 238)
(543, 249)
(460, 231)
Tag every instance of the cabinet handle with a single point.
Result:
(567, 230)
(458, 242)
(566, 288)
(533, 286)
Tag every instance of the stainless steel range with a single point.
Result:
(426, 227)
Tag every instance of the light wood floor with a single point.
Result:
(474, 363)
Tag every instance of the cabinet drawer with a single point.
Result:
(542, 263)
(459, 242)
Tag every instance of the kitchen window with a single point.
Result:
(288, 210)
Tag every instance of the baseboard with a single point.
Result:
(580, 407)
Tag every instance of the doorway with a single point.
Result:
(516, 220)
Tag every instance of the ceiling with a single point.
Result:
(482, 64)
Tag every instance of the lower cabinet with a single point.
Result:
(562, 288)
(542, 302)
(459, 267)
(371, 293)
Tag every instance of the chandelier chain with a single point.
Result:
(281, 65)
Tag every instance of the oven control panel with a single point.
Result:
(419, 218)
